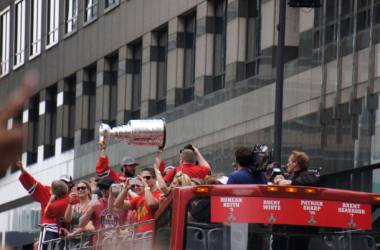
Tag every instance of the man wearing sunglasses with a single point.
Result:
(99, 212)
(128, 166)
(146, 203)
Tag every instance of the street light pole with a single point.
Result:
(279, 84)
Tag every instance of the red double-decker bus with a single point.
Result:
(258, 217)
(269, 217)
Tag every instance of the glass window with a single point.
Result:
(69, 114)
(19, 33)
(189, 58)
(71, 16)
(35, 27)
(110, 3)
(50, 121)
(52, 22)
(219, 53)
(136, 80)
(89, 104)
(112, 64)
(162, 38)
(253, 51)
(33, 124)
(91, 9)
(4, 25)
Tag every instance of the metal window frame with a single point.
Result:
(6, 11)
(67, 21)
(31, 31)
(17, 38)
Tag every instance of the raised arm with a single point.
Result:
(103, 148)
(70, 208)
(111, 202)
(85, 218)
(20, 166)
(11, 140)
(161, 182)
(200, 159)
(120, 203)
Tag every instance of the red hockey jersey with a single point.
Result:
(41, 194)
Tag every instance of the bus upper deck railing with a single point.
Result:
(115, 238)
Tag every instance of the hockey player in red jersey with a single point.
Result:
(128, 166)
(41, 194)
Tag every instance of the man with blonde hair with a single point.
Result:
(298, 168)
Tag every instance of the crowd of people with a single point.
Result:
(116, 199)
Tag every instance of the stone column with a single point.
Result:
(204, 50)
(236, 42)
(149, 75)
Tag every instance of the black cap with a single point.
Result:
(106, 182)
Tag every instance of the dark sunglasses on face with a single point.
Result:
(147, 177)
(82, 188)
(135, 186)
(104, 188)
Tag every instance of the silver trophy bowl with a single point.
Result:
(137, 132)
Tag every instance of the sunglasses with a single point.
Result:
(104, 188)
(82, 188)
(147, 177)
(136, 186)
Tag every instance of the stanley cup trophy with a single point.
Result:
(136, 132)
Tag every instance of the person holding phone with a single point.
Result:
(99, 213)
(132, 188)
(146, 203)
(83, 191)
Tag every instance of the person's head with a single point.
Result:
(128, 166)
(297, 161)
(188, 156)
(149, 175)
(137, 188)
(84, 189)
(58, 188)
(244, 156)
(68, 180)
(104, 186)
(180, 180)
(196, 182)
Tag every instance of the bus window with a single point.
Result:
(163, 229)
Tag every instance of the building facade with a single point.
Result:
(208, 67)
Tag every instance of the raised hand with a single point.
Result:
(11, 140)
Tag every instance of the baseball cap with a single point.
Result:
(106, 182)
(129, 160)
(66, 178)
(168, 168)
